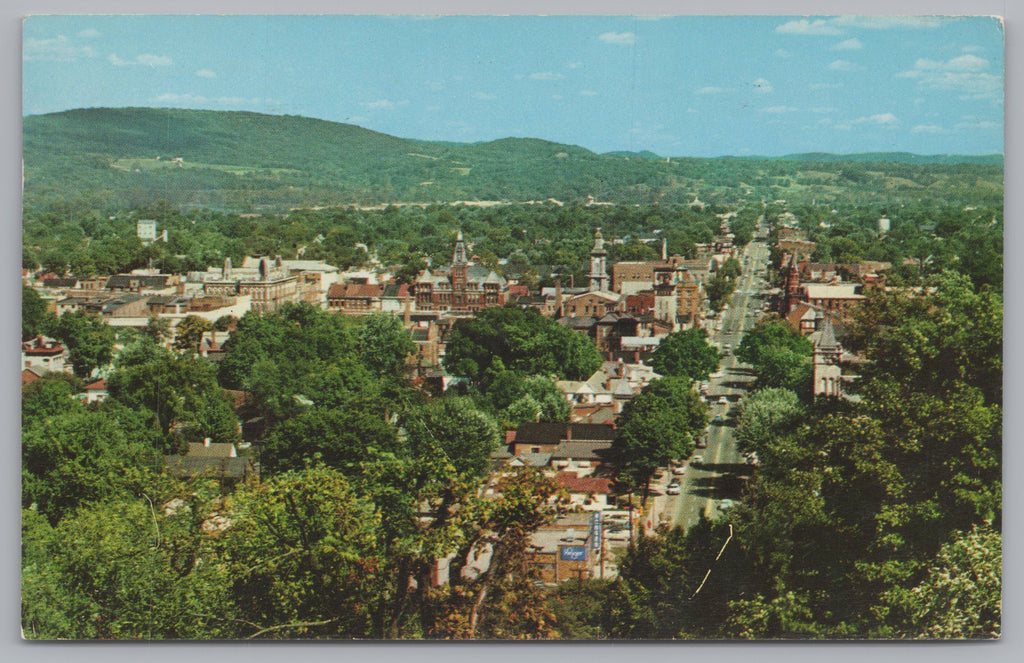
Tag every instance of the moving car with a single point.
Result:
(679, 470)
(673, 488)
(723, 400)
(697, 460)
(726, 504)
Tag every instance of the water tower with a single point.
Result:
(884, 225)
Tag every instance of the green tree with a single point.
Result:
(765, 415)
(780, 355)
(658, 425)
(89, 339)
(81, 457)
(172, 390)
(341, 439)
(686, 354)
(302, 558)
(131, 568)
(961, 597)
(719, 290)
(499, 339)
(384, 343)
(36, 318)
(188, 333)
(158, 329)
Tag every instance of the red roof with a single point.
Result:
(96, 386)
(28, 375)
(42, 346)
(578, 484)
(355, 290)
(519, 289)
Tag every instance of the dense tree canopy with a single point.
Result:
(523, 340)
(686, 354)
(659, 425)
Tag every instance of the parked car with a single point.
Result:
(679, 470)
(673, 488)
(697, 460)
(726, 504)
(723, 400)
(718, 419)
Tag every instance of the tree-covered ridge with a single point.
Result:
(242, 160)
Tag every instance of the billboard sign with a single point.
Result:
(574, 553)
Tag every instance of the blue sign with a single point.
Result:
(574, 553)
(595, 531)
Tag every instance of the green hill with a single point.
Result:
(229, 159)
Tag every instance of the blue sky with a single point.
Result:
(680, 86)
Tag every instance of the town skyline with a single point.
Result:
(677, 86)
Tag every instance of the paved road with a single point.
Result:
(722, 473)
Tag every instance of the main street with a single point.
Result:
(720, 475)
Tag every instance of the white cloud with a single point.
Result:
(825, 86)
(238, 101)
(783, 53)
(886, 119)
(383, 104)
(762, 85)
(887, 22)
(711, 89)
(557, 97)
(928, 129)
(843, 127)
(972, 49)
(89, 33)
(58, 49)
(823, 109)
(963, 74)
(975, 124)
(588, 93)
(841, 65)
(620, 38)
(805, 27)
(484, 96)
(849, 45)
(205, 73)
(146, 59)
(574, 65)
(173, 98)
(838, 25)
(967, 62)
(779, 109)
(190, 99)
(546, 76)
(432, 109)
(150, 60)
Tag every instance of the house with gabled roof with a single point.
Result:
(532, 437)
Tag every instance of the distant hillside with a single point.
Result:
(240, 160)
(900, 157)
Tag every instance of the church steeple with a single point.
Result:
(598, 270)
(459, 257)
(459, 265)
